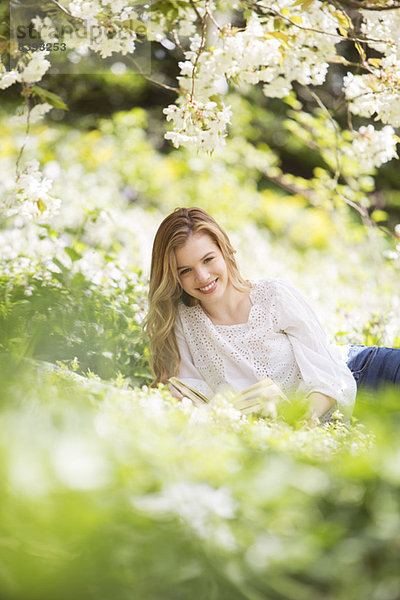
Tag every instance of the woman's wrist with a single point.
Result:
(320, 403)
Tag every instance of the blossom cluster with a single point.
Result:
(259, 53)
(373, 147)
(376, 93)
(281, 43)
(33, 200)
(382, 32)
(198, 124)
(96, 31)
(93, 33)
(30, 69)
(288, 42)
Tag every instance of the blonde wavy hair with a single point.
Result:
(165, 291)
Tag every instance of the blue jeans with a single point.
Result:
(374, 366)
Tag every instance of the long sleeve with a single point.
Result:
(321, 370)
(188, 373)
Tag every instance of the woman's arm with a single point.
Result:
(188, 373)
(320, 403)
(326, 378)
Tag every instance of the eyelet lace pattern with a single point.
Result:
(257, 346)
(282, 332)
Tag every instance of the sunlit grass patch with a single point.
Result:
(120, 493)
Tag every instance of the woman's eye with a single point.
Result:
(208, 259)
(184, 271)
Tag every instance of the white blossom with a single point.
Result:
(90, 11)
(257, 53)
(32, 195)
(121, 41)
(46, 28)
(36, 67)
(84, 9)
(373, 147)
(199, 505)
(8, 78)
(35, 115)
(39, 111)
(377, 26)
(156, 29)
(197, 124)
(376, 93)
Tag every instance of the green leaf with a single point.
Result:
(78, 281)
(379, 215)
(59, 264)
(50, 97)
(73, 254)
(277, 34)
(303, 3)
(41, 205)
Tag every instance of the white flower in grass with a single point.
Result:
(198, 124)
(222, 410)
(79, 462)
(32, 193)
(91, 265)
(198, 504)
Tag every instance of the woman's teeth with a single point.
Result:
(208, 287)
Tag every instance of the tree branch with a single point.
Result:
(64, 10)
(335, 127)
(28, 125)
(200, 50)
(361, 40)
(177, 40)
(309, 195)
(364, 6)
(196, 10)
(151, 80)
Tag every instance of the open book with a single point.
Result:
(249, 400)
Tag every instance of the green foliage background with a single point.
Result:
(111, 490)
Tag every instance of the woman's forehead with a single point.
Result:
(196, 246)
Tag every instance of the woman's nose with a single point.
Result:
(203, 275)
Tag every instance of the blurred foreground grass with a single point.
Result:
(108, 493)
(112, 491)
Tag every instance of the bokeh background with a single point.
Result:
(109, 489)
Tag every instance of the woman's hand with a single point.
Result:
(175, 392)
(263, 397)
(320, 404)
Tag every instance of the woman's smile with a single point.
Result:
(207, 289)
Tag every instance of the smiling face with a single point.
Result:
(201, 267)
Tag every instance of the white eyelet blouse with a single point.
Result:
(282, 339)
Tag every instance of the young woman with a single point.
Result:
(210, 327)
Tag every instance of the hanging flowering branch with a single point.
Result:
(277, 44)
